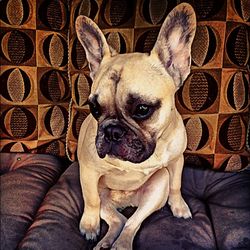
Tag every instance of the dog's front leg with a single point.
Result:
(90, 221)
(149, 198)
(177, 204)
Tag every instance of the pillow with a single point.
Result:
(214, 100)
(34, 85)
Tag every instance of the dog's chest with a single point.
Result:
(123, 180)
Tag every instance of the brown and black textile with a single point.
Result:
(34, 85)
(36, 49)
(214, 100)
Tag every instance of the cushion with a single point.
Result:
(25, 180)
(34, 86)
(213, 101)
(210, 195)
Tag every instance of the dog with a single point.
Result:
(130, 148)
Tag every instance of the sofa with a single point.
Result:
(44, 87)
(41, 206)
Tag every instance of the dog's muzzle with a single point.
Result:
(117, 140)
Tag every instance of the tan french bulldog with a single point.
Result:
(130, 148)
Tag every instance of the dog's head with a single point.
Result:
(132, 96)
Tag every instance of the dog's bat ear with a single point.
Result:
(173, 45)
(93, 42)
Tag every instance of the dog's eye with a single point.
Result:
(95, 109)
(142, 112)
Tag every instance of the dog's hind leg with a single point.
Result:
(150, 197)
(113, 218)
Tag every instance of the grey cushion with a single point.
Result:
(220, 204)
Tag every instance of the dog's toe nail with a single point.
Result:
(91, 236)
(82, 231)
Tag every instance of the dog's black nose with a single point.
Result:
(114, 133)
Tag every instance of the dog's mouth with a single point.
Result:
(123, 152)
(125, 146)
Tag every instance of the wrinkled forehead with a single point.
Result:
(127, 69)
(129, 74)
(126, 64)
(136, 65)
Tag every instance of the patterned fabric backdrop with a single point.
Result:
(35, 90)
(34, 84)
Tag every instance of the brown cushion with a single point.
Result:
(34, 86)
(35, 89)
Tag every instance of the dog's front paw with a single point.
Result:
(90, 226)
(121, 245)
(102, 245)
(179, 207)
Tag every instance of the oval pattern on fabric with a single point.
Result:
(197, 133)
(53, 14)
(17, 147)
(199, 91)
(54, 86)
(56, 51)
(57, 121)
(22, 122)
(114, 41)
(82, 89)
(237, 91)
(197, 160)
(146, 41)
(88, 8)
(194, 133)
(85, 8)
(200, 45)
(78, 56)
(157, 10)
(232, 133)
(17, 47)
(207, 9)
(118, 12)
(4, 46)
(53, 148)
(77, 122)
(243, 9)
(234, 163)
(238, 46)
(15, 12)
(16, 86)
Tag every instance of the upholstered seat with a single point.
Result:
(41, 207)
